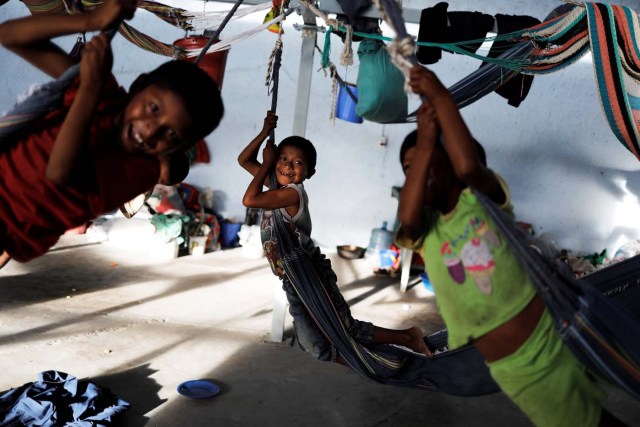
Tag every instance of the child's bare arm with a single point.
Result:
(412, 196)
(256, 197)
(73, 137)
(459, 144)
(248, 158)
(29, 37)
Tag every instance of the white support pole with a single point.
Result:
(305, 73)
(279, 311)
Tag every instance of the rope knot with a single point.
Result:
(406, 46)
(332, 22)
(346, 58)
(399, 51)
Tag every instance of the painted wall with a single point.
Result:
(569, 175)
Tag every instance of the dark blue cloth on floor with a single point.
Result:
(59, 399)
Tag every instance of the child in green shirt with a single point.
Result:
(483, 294)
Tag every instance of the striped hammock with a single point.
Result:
(611, 32)
(175, 16)
(617, 68)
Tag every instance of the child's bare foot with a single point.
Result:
(417, 343)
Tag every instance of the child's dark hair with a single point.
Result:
(198, 90)
(303, 144)
(412, 139)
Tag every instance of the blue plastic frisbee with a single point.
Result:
(198, 389)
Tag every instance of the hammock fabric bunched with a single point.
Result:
(36, 105)
(40, 102)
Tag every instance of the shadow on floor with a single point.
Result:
(135, 386)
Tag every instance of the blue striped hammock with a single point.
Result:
(598, 329)
(461, 372)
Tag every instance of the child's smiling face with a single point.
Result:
(155, 121)
(291, 166)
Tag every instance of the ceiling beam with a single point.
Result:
(410, 13)
(411, 10)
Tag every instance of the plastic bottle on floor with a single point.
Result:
(381, 239)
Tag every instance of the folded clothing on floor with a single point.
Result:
(56, 399)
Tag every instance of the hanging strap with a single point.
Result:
(273, 75)
(402, 49)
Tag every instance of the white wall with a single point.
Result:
(569, 175)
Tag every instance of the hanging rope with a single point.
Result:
(273, 70)
(402, 49)
(346, 57)
(336, 81)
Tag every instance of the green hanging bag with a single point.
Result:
(381, 95)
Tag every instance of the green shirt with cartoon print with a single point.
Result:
(478, 282)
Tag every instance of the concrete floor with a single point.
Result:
(141, 327)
